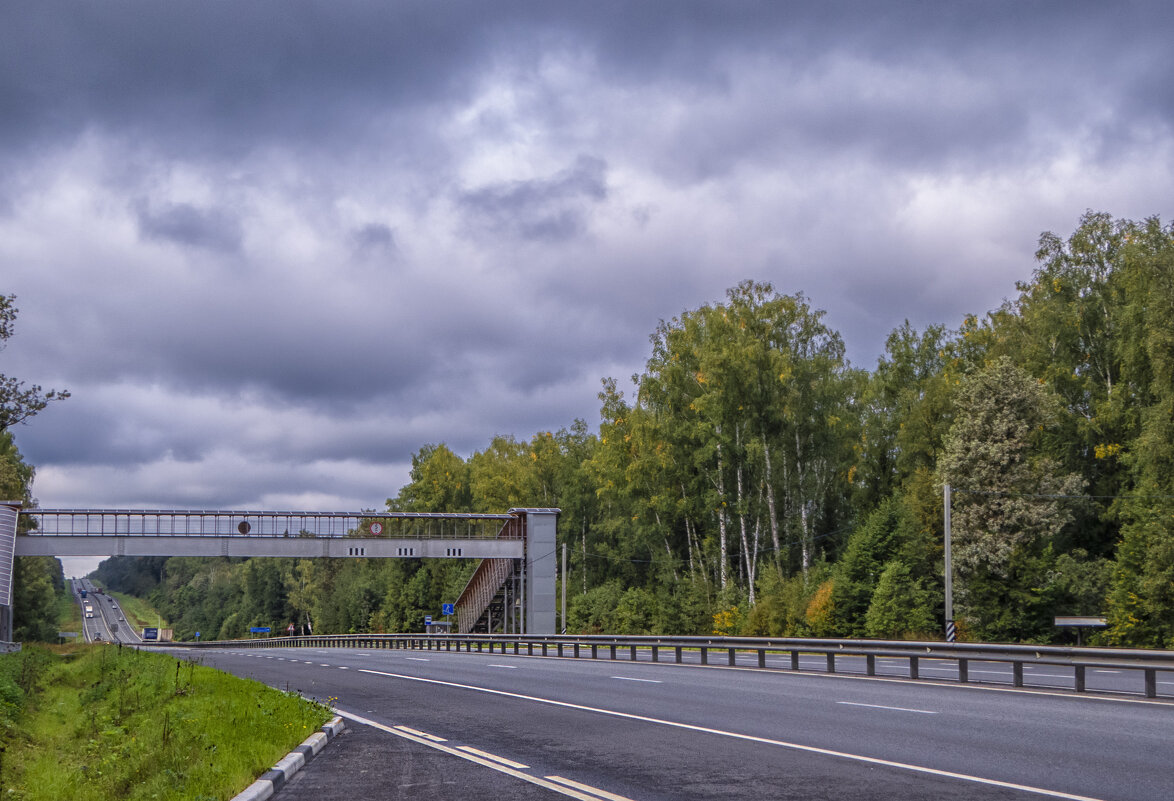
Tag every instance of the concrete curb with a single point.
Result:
(273, 780)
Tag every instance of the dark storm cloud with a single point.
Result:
(185, 224)
(552, 209)
(375, 238)
(229, 76)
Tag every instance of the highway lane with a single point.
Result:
(650, 731)
(108, 623)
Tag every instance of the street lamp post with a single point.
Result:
(950, 632)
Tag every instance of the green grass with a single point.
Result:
(69, 614)
(138, 613)
(105, 723)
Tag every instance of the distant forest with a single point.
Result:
(755, 483)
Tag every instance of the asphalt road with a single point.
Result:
(108, 623)
(664, 731)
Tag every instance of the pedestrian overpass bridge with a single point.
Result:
(512, 590)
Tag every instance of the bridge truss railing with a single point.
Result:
(753, 652)
(245, 523)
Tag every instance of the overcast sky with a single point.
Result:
(274, 248)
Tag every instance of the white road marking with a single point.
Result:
(343, 667)
(507, 667)
(811, 749)
(628, 678)
(894, 708)
(486, 755)
(1106, 671)
(424, 734)
(517, 774)
(589, 789)
(418, 659)
(323, 664)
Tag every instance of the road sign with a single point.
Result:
(427, 620)
(290, 628)
(448, 609)
(197, 635)
(260, 630)
(376, 529)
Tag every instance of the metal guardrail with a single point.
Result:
(1146, 662)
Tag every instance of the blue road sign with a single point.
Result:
(197, 635)
(427, 620)
(448, 609)
(259, 630)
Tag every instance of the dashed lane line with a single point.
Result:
(589, 789)
(418, 733)
(892, 708)
(485, 755)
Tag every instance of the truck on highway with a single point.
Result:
(89, 610)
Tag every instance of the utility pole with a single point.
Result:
(564, 631)
(950, 631)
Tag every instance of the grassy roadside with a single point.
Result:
(106, 723)
(138, 613)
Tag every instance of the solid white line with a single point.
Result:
(517, 774)
(629, 678)
(486, 755)
(811, 749)
(894, 708)
(587, 788)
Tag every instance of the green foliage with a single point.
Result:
(18, 403)
(140, 725)
(870, 550)
(902, 606)
(993, 447)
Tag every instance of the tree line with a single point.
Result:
(38, 582)
(755, 483)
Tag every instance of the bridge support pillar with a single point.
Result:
(9, 511)
(541, 528)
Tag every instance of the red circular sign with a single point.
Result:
(376, 529)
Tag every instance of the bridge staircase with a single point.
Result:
(489, 601)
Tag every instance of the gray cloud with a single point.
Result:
(184, 224)
(274, 248)
(546, 209)
(375, 238)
